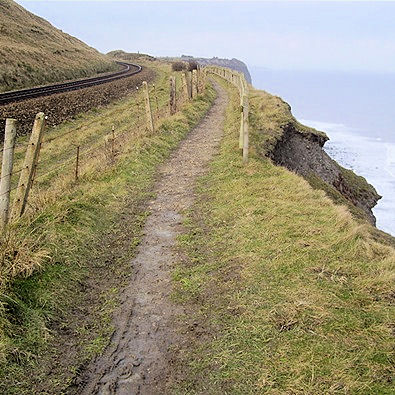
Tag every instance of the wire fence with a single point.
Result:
(67, 157)
(238, 80)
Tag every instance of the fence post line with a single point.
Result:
(6, 169)
(150, 121)
(238, 80)
(245, 129)
(77, 162)
(173, 105)
(29, 165)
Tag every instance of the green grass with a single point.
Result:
(83, 240)
(317, 183)
(56, 166)
(286, 293)
(268, 117)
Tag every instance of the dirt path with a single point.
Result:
(135, 362)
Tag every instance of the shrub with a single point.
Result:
(178, 66)
(192, 65)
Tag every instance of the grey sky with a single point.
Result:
(282, 35)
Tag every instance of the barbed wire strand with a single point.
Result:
(16, 145)
(59, 137)
(13, 172)
(161, 111)
(11, 189)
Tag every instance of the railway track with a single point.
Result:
(14, 96)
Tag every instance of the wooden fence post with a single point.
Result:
(203, 75)
(77, 163)
(241, 135)
(188, 76)
(29, 166)
(198, 80)
(150, 121)
(173, 104)
(185, 85)
(194, 84)
(6, 169)
(113, 142)
(245, 129)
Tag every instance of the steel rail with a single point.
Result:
(9, 97)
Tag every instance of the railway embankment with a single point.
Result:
(60, 107)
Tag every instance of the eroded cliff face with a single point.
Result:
(305, 155)
(276, 134)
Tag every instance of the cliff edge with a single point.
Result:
(278, 135)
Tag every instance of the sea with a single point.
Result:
(357, 112)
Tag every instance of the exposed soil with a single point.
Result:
(304, 154)
(136, 360)
(63, 106)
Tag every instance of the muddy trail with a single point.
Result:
(136, 360)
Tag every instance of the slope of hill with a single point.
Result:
(130, 56)
(33, 52)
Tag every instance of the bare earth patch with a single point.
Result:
(136, 360)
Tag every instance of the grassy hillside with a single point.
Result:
(33, 52)
(130, 56)
(285, 293)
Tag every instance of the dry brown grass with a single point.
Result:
(33, 52)
(49, 325)
(55, 174)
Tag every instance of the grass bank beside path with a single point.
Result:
(76, 243)
(285, 292)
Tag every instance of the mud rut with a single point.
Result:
(135, 362)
